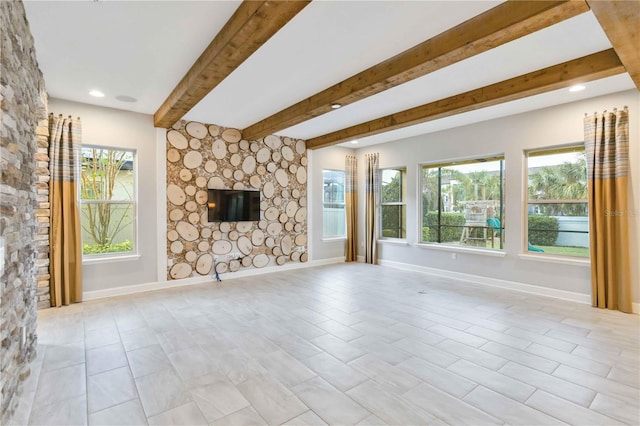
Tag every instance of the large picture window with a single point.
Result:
(107, 201)
(462, 203)
(333, 205)
(393, 204)
(557, 202)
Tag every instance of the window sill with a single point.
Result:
(396, 241)
(461, 249)
(555, 259)
(110, 259)
(333, 239)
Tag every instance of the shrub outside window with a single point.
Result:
(557, 202)
(333, 204)
(393, 204)
(463, 203)
(107, 201)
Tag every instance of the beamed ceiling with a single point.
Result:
(396, 68)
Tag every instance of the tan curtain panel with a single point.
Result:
(371, 204)
(351, 204)
(66, 247)
(607, 147)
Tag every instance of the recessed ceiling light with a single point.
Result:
(96, 94)
(125, 98)
(335, 106)
(354, 142)
(576, 88)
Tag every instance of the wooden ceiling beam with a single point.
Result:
(504, 23)
(620, 21)
(588, 68)
(252, 24)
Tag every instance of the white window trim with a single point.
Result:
(382, 239)
(536, 256)
(343, 204)
(116, 256)
(461, 249)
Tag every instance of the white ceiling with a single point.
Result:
(142, 49)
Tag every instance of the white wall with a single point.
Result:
(121, 129)
(509, 135)
(326, 158)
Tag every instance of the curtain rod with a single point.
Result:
(60, 115)
(614, 110)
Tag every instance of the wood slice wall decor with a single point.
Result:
(206, 156)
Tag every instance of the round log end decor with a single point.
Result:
(210, 166)
(216, 235)
(301, 239)
(190, 256)
(194, 218)
(304, 257)
(238, 186)
(257, 238)
(233, 235)
(221, 247)
(234, 265)
(191, 206)
(261, 170)
(232, 135)
(176, 195)
(214, 130)
(180, 270)
(176, 215)
(246, 261)
(295, 256)
(244, 145)
(255, 181)
(282, 178)
(227, 173)
(301, 215)
(201, 197)
(268, 190)
(190, 190)
(204, 218)
(177, 139)
(185, 175)
(262, 224)
(222, 267)
(274, 229)
(271, 213)
(288, 226)
(205, 233)
(286, 245)
(219, 149)
(291, 208)
(192, 159)
(172, 235)
(215, 183)
(304, 161)
(233, 148)
(225, 227)
(283, 218)
(276, 157)
(203, 246)
(178, 125)
(173, 155)
(272, 141)
(235, 160)
(243, 227)
(204, 263)
(249, 165)
(301, 147)
(195, 143)
(244, 245)
(261, 260)
(281, 260)
(197, 130)
(287, 153)
(201, 181)
(271, 167)
(301, 175)
(263, 155)
(238, 175)
(254, 147)
(187, 231)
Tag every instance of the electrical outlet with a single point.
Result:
(23, 337)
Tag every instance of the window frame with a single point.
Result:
(112, 256)
(550, 150)
(500, 250)
(343, 204)
(403, 194)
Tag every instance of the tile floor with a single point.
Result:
(339, 344)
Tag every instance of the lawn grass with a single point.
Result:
(566, 251)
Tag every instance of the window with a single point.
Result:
(462, 203)
(393, 209)
(333, 208)
(107, 201)
(557, 202)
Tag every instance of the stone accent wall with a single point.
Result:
(201, 156)
(23, 107)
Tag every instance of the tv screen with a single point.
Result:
(230, 205)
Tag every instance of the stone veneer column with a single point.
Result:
(23, 110)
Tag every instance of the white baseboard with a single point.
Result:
(493, 282)
(158, 285)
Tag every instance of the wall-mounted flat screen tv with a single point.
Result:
(230, 205)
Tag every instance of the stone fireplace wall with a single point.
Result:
(23, 105)
(202, 156)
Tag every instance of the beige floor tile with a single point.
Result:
(161, 391)
(427, 352)
(474, 355)
(390, 378)
(438, 377)
(275, 403)
(601, 385)
(138, 338)
(285, 368)
(147, 360)
(306, 419)
(127, 413)
(390, 409)
(187, 414)
(333, 406)
(71, 411)
(508, 410)
(616, 409)
(60, 356)
(61, 384)
(101, 337)
(459, 336)
(342, 350)
(567, 411)
(383, 350)
(339, 374)
(339, 330)
(521, 357)
(218, 400)
(564, 358)
(245, 417)
(493, 380)
(110, 388)
(451, 410)
(541, 339)
(105, 358)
